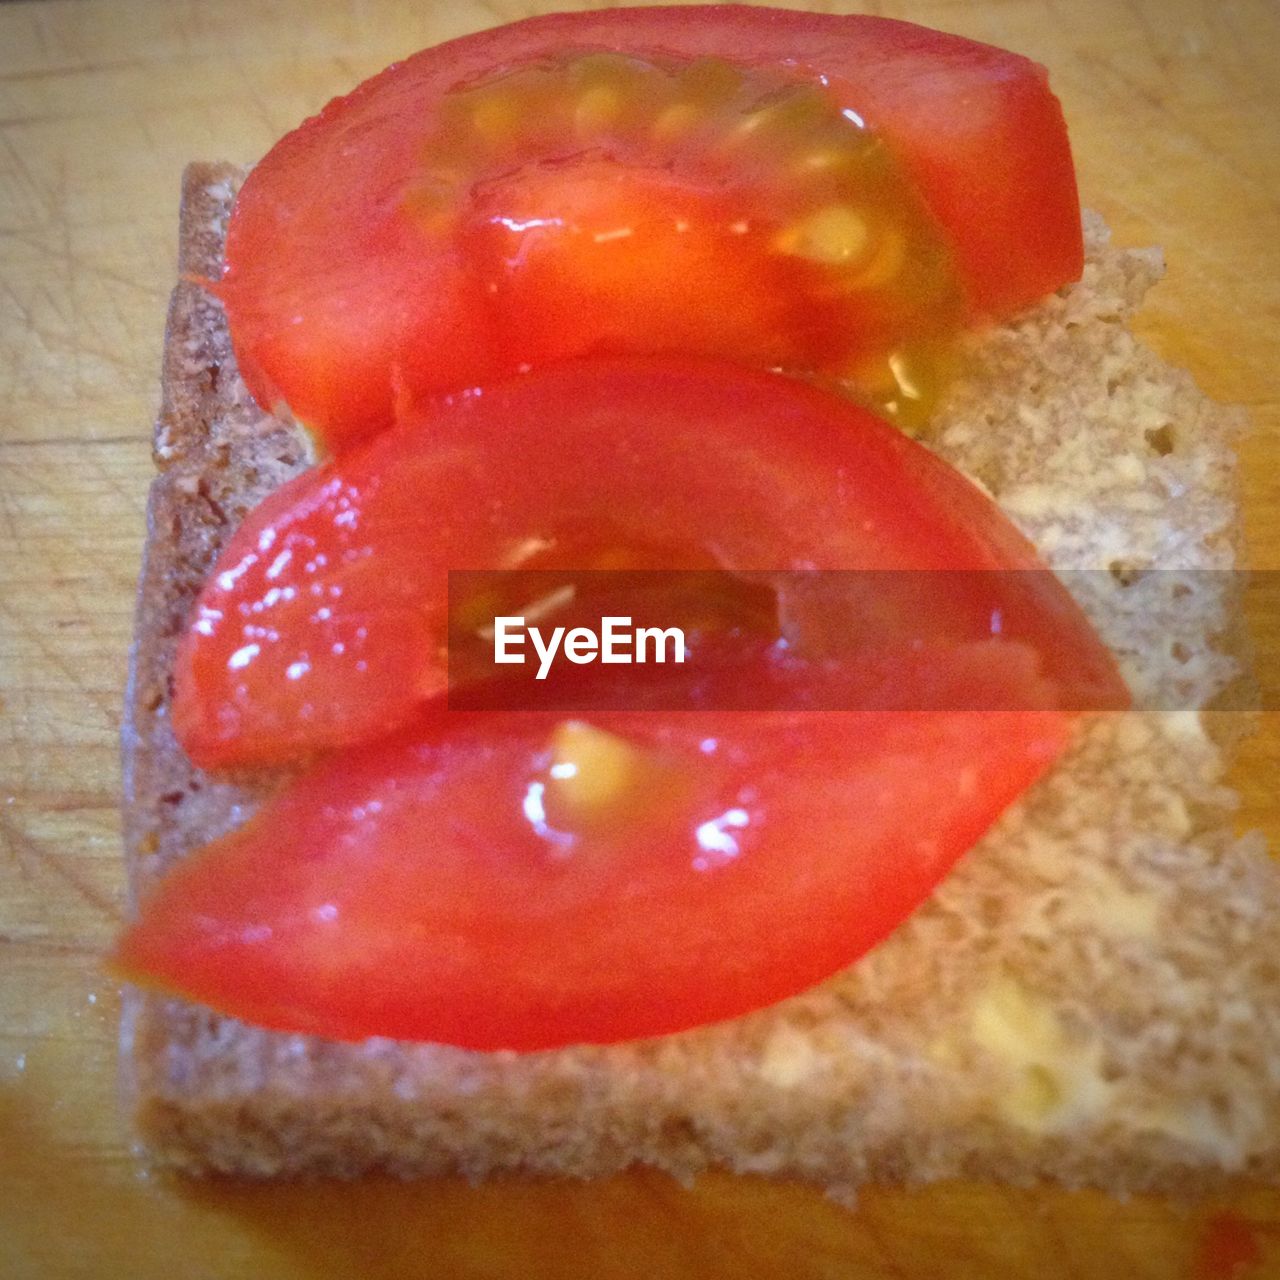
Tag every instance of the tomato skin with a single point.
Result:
(334, 305)
(400, 890)
(323, 622)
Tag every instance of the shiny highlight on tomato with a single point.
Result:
(621, 204)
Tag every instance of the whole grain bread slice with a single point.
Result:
(1093, 996)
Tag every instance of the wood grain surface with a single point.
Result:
(1174, 113)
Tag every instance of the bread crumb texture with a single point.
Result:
(1090, 997)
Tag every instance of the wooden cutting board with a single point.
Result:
(1173, 105)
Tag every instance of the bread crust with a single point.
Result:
(1087, 999)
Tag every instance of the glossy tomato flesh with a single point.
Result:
(415, 889)
(325, 620)
(346, 290)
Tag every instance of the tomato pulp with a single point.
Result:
(325, 620)
(427, 888)
(807, 191)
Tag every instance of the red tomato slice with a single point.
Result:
(416, 889)
(325, 620)
(342, 292)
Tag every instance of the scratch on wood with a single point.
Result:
(9, 518)
(87, 68)
(25, 851)
(69, 801)
(52, 946)
(35, 240)
(76, 442)
(20, 166)
(60, 662)
(1178, 125)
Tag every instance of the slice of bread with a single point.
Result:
(1092, 996)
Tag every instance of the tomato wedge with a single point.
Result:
(419, 889)
(524, 195)
(325, 620)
